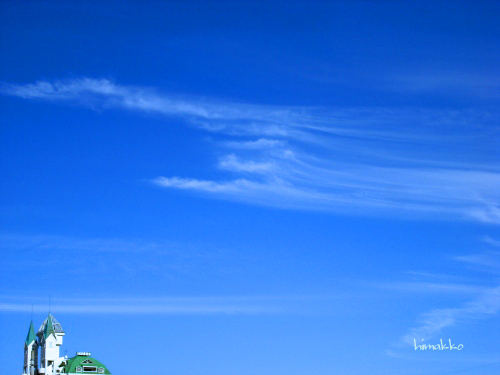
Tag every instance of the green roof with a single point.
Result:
(49, 327)
(31, 335)
(80, 361)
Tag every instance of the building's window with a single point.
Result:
(87, 361)
(89, 369)
(101, 370)
(78, 369)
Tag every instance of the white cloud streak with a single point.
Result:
(261, 143)
(487, 304)
(402, 162)
(485, 86)
(165, 259)
(485, 300)
(258, 305)
(231, 162)
(61, 243)
(486, 261)
(491, 241)
(490, 260)
(437, 288)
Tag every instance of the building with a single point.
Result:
(45, 346)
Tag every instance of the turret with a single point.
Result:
(50, 336)
(30, 353)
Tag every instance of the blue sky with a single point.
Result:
(238, 187)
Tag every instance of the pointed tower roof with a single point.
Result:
(31, 335)
(50, 325)
(49, 328)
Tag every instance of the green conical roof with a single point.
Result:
(31, 334)
(49, 327)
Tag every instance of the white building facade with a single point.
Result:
(45, 346)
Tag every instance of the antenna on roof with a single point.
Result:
(32, 311)
(50, 302)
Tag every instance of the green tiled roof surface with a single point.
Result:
(31, 334)
(73, 363)
(49, 327)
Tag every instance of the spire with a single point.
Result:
(31, 335)
(49, 327)
(56, 326)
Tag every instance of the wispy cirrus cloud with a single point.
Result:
(18, 242)
(485, 261)
(434, 287)
(229, 305)
(261, 143)
(433, 322)
(485, 86)
(176, 306)
(491, 241)
(410, 162)
(491, 259)
(232, 162)
(164, 259)
(484, 300)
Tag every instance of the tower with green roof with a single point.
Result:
(31, 353)
(49, 339)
